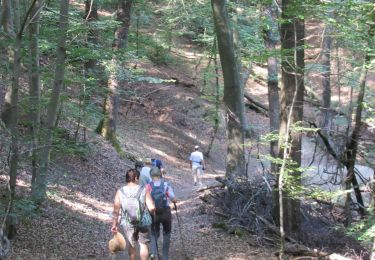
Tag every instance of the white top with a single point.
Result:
(145, 177)
(196, 158)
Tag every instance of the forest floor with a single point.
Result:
(164, 121)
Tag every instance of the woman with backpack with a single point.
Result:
(162, 194)
(134, 202)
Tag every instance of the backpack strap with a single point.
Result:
(138, 196)
(165, 191)
(124, 194)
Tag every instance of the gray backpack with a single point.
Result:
(132, 207)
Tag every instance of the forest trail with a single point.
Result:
(163, 133)
(163, 121)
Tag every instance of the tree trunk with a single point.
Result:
(217, 98)
(326, 80)
(123, 16)
(40, 184)
(233, 91)
(352, 145)
(291, 98)
(7, 23)
(7, 17)
(12, 118)
(34, 85)
(91, 14)
(271, 38)
(111, 104)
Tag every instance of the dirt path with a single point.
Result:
(193, 235)
(74, 223)
(169, 126)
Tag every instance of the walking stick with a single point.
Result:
(180, 232)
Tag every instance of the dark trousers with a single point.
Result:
(164, 218)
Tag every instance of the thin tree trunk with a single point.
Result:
(326, 80)
(91, 14)
(111, 104)
(292, 66)
(352, 146)
(13, 108)
(40, 185)
(233, 91)
(8, 25)
(270, 40)
(34, 83)
(217, 98)
(1, 15)
(12, 119)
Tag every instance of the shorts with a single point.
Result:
(140, 234)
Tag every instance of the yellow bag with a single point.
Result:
(117, 243)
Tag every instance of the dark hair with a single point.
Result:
(132, 175)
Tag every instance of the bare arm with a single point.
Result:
(116, 212)
(150, 202)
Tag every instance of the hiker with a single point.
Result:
(158, 163)
(197, 165)
(132, 200)
(162, 194)
(138, 165)
(145, 176)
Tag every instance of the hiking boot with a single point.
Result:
(151, 257)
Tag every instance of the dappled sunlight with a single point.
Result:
(81, 7)
(163, 137)
(161, 153)
(80, 202)
(85, 209)
(20, 182)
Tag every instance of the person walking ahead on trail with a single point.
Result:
(162, 194)
(145, 176)
(132, 200)
(197, 165)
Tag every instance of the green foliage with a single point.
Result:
(191, 20)
(239, 232)
(298, 127)
(220, 225)
(64, 144)
(158, 54)
(364, 230)
(25, 207)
